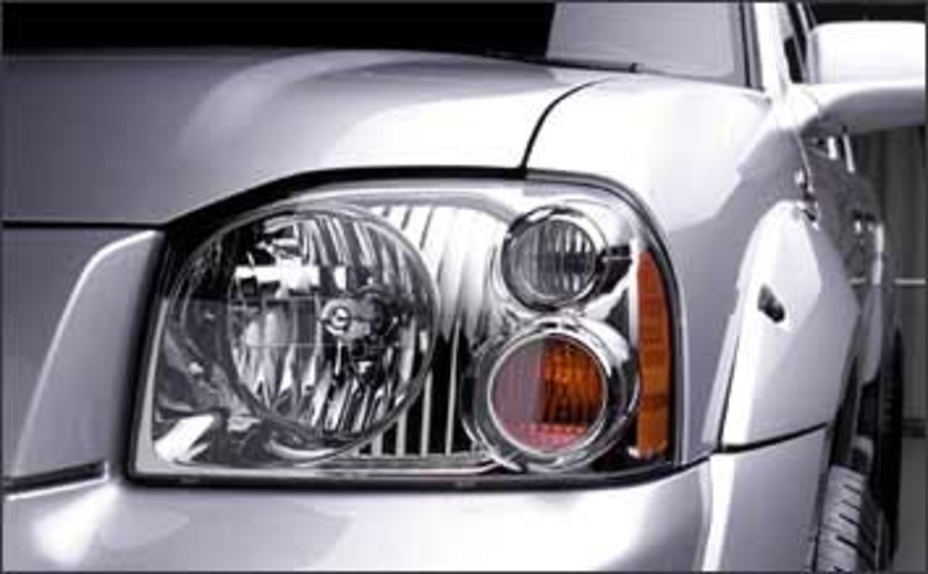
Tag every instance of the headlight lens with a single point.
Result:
(556, 395)
(551, 257)
(301, 333)
(407, 328)
(547, 394)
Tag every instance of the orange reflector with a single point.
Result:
(548, 393)
(653, 428)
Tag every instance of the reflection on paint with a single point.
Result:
(67, 534)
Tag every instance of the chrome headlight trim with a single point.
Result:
(461, 188)
(538, 218)
(618, 379)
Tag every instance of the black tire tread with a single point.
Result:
(852, 528)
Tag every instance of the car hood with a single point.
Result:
(142, 138)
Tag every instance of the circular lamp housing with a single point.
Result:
(552, 257)
(555, 396)
(292, 335)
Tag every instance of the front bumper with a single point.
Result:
(739, 510)
(115, 524)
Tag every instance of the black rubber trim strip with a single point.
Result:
(201, 221)
(477, 483)
(749, 44)
(52, 224)
(544, 115)
(734, 449)
(60, 477)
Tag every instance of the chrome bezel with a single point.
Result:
(542, 216)
(493, 378)
(613, 359)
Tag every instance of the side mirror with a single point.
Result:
(865, 76)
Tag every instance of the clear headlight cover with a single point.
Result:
(291, 336)
(414, 327)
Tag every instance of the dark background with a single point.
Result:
(828, 11)
(36, 26)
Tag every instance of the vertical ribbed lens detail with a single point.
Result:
(302, 333)
(551, 257)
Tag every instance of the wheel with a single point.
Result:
(852, 532)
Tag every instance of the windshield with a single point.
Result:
(691, 39)
(700, 40)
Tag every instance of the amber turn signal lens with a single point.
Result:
(548, 394)
(653, 427)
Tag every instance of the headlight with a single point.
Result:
(292, 335)
(411, 328)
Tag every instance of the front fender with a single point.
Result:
(789, 375)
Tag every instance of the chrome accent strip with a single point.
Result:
(401, 436)
(425, 428)
(897, 282)
(377, 446)
(461, 463)
(909, 282)
(453, 415)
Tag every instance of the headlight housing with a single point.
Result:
(414, 328)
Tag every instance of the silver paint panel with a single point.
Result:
(171, 132)
(66, 392)
(763, 506)
(114, 525)
(40, 269)
(790, 375)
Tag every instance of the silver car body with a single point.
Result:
(129, 143)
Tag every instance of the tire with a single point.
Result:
(852, 530)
